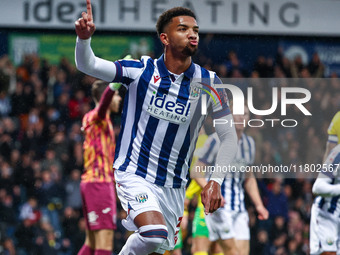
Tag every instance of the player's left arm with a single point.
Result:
(211, 194)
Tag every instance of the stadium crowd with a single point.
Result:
(41, 157)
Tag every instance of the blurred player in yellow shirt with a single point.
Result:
(333, 135)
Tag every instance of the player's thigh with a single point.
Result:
(327, 232)
(202, 244)
(150, 204)
(229, 246)
(103, 239)
(149, 218)
(242, 247)
(220, 225)
(215, 248)
(171, 202)
(176, 252)
(139, 200)
(314, 242)
(242, 232)
(328, 253)
(89, 239)
(241, 225)
(193, 246)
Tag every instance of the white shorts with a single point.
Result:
(224, 224)
(324, 231)
(138, 195)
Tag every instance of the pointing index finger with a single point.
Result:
(89, 10)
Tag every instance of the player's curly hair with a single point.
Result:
(98, 88)
(166, 18)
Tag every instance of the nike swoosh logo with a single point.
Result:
(105, 211)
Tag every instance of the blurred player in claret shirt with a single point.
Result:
(97, 184)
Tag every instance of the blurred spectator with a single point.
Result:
(7, 211)
(29, 211)
(19, 101)
(70, 223)
(277, 203)
(60, 146)
(5, 104)
(24, 175)
(72, 187)
(9, 248)
(24, 236)
(50, 160)
(7, 178)
(79, 236)
(262, 244)
(234, 65)
(51, 197)
(315, 67)
(62, 106)
(75, 105)
(61, 86)
(296, 67)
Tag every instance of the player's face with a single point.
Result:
(242, 119)
(183, 35)
(115, 102)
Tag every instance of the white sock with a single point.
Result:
(146, 240)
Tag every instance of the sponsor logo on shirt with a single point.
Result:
(162, 108)
(106, 210)
(92, 217)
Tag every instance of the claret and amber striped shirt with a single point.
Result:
(99, 144)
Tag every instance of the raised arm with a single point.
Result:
(86, 61)
(85, 26)
(105, 101)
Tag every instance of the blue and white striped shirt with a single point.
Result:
(161, 120)
(232, 186)
(331, 204)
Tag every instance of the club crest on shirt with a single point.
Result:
(195, 90)
(141, 197)
(330, 241)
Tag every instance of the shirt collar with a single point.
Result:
(163, 71)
